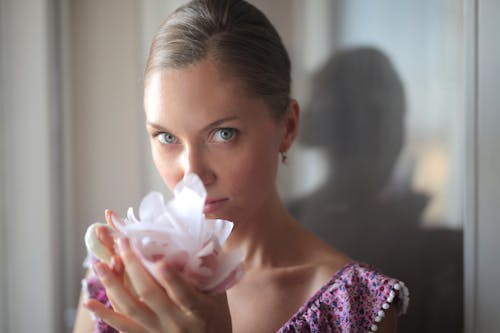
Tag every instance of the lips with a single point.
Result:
(213, 205)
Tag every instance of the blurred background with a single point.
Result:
(397, 154)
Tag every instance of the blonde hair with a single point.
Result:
(235, 34)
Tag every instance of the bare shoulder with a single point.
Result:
(326, 262)
(331, 262)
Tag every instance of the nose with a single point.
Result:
(195, 160)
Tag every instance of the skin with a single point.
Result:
(204, 122)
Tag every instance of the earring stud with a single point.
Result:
(284, 157)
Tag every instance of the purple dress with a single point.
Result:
(354, 300)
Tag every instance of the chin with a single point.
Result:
(224, 214)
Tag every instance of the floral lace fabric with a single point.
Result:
(349, 302)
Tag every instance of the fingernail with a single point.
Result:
(115, 219)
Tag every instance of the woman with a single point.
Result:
(217, 103)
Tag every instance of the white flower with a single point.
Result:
(179, 233)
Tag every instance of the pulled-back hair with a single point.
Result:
(234, 34)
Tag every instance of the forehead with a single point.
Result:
(201, 90)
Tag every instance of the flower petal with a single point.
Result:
(178, 233)
(229, 271)
(193, 182)
(151, 206)
(219, 228)
(231, 279)
(187, 208)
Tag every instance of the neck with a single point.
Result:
(263, 235)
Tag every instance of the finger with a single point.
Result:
(119, 269)
(112, 318)
(121, 299)
(106, 238)
(117, 265)
(179, 290)
(144, 285)
(113, 219)
(94, 244)
(108, 217)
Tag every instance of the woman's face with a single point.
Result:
(203, 122)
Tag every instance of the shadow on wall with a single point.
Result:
(357, 114)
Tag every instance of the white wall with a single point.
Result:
(29, 220)
(104, 124)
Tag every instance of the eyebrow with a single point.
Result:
(211, 125)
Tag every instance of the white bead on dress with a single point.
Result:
(397, 286)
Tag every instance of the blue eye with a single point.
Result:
(166, 138)
(225, 134)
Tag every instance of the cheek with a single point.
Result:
(166, 167)
(254, 171)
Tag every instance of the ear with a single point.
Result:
(291, 125)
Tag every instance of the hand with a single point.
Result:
(99, 239)
(166, 304)
(104, 234)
